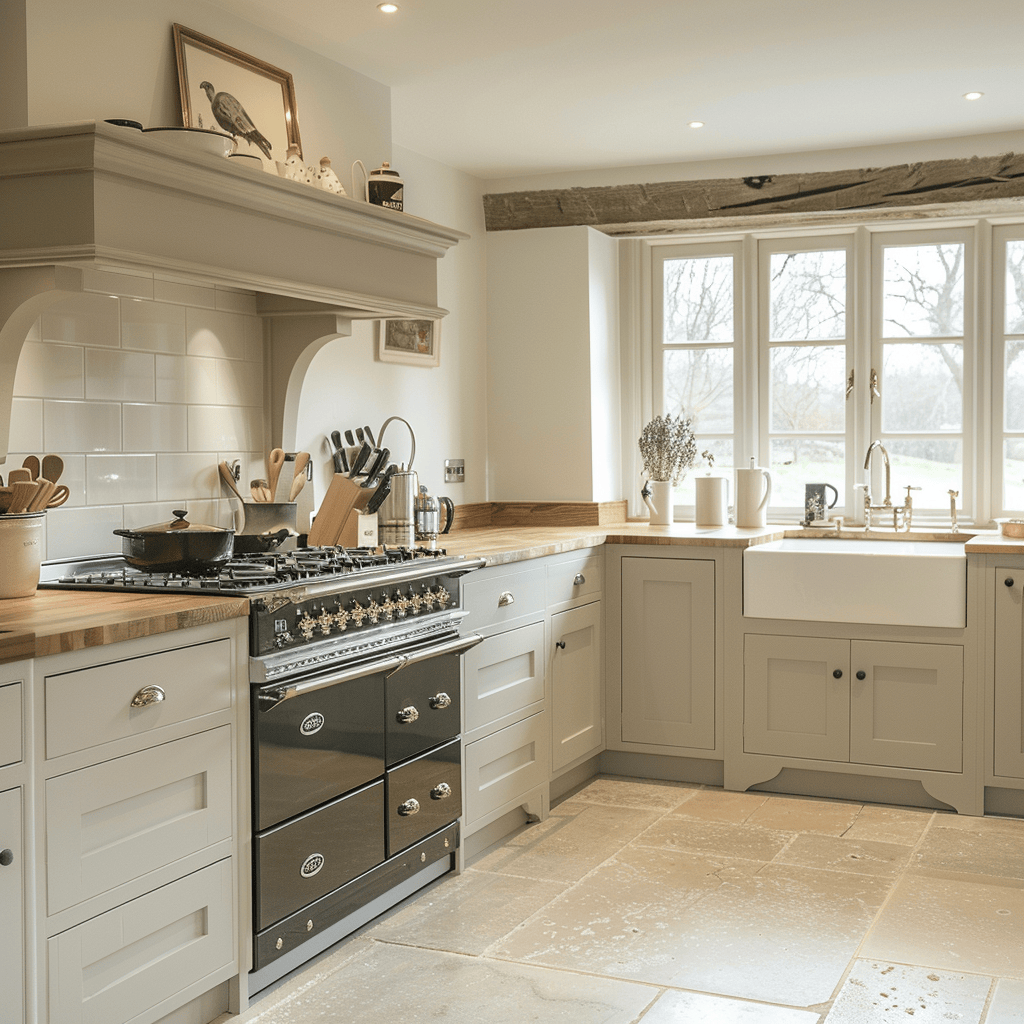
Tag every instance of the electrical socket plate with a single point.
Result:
(454, 471)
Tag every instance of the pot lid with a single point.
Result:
(180, 525)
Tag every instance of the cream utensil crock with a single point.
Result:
(753, 492)
(711, 501)
(21, 553)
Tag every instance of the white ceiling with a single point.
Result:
(506, 87)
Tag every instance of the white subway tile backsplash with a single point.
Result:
(153, 326)
(83, 320)
(82, 531)
(112, 282)
(214, 428)
(201, 373)
(26, 425)
(117, 479)
(236, 302)
(80, 427)
(171, 379)
(119, 376)
(216, 333)
(155, 428)
(184, 293)
(183, 476)
(50, 371)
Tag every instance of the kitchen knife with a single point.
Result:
(360, 460)
(378, 496)
(378, 463)
(360, 436)
(369, 435)
(338, 456)
(349, 439)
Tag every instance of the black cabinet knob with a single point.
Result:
(6, 857)
(1008, 581)
(838, 674)
(560, 644)
(861, 675)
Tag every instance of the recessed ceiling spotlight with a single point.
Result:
(387, 8)
(696, 124)
(973, 95)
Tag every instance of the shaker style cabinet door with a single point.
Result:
(668, 652)
(1009, 672)
(576, 697)
(12, 924)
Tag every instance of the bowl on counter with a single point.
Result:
(1011, 528)
(204, 140)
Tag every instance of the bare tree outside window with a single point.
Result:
(1013, 379)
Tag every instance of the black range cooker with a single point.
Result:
(356, 720)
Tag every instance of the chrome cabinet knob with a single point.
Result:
(441, 791)
(579, 580)
(407, 715)
(411, 806)
(440, 701)
(505, 598)
(148, 695)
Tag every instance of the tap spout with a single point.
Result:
(885, 457)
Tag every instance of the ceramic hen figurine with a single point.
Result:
(231, 116)
(294, 169)
(327, 179)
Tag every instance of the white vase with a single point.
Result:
(660, 501)
(712, 500)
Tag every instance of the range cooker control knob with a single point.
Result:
(373, 613)
(307, 626)
(411, 806)
(341, 618)
(358, 613)
(443, 597)
(388, 609)
(407, 715)
(325, 619)
(440, 701)
(441, 791)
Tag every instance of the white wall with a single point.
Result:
(605, 367)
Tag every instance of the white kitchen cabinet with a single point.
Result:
(668, 652)
(880, 703)
(504, 676)
(1008, 753)
(577, 696)
(12, 904)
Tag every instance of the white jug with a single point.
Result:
(657, 495)
(753, 492)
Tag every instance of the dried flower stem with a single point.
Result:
(668, 448)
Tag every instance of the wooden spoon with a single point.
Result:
(299, 480)
(21, 494)
(59, 496)
(19, 476)
(31, 463)
(274, 464)
(53, 466)
(229, 478)
(44, 490)
(259, 490)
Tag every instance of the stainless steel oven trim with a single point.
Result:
(271, 696)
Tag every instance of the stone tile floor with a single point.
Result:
(669, 904)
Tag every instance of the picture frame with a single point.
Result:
(413, 342)
(265, 93)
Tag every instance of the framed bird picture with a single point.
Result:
(226, 90)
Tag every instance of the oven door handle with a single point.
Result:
(456, 646)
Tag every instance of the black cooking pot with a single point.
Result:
(177, 546)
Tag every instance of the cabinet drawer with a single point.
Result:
(575, 578)
(10, 724)
(90, 706)
(507, 765)
(504, 674)
(123, 818)
(12, 901)
(500, 602)
(423, 796)
(120, 964)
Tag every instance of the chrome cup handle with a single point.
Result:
(148, 695)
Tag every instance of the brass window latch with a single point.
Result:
(873, 382)
(849, 386)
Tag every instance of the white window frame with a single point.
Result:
(999, 434)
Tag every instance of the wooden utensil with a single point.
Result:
(31, 463)
(21, 494)
(44, 491)
(19, 476)
(299, 479)
(53, 466)
(274, 464)
(229, 478)
(259, 490)
(59, 496)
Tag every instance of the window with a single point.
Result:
(1008, 372)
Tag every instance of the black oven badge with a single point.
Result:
(311, 865)
(311, 724)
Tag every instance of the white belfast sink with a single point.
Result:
(902, 583)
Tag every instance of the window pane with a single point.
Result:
(1015, 287)
(922, 387)
(1013, 475)
(799, 461)
(934, 465)
(808, 295)
(698, 384)
(721, 449)
(698, 300)
(807, 388)
(1013, 390)
(923, 289)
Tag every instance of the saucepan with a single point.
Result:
(177, 546)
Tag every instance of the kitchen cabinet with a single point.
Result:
(577, 696)
(668, 652)
(1008, 752)
(12, 904)
(138, 903)
(892, 704)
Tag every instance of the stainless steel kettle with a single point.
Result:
(428, 516)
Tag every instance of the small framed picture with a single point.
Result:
(225, 90)
(416, 342)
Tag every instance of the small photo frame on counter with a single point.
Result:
(223, 89)
(415, 342)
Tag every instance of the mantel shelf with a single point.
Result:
(98, 197)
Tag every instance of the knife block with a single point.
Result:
(343, 501)
(359, 531)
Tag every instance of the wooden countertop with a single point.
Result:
(53, 621)
(994, 543)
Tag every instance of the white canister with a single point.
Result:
(21, 553)
(753, 492)
(712, 500)
(657, 495)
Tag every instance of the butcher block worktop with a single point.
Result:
(54, 621)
